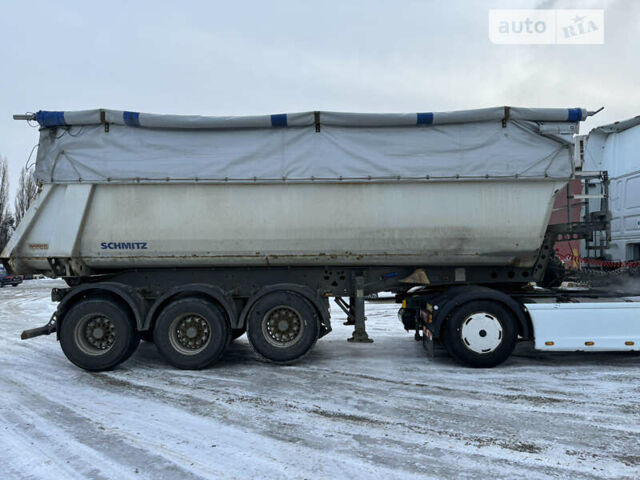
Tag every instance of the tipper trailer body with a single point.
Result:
(293, 190)
(190, 230)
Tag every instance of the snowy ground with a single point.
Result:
(370, 411)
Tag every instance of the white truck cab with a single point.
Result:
(614, 148)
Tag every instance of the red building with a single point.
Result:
(567, 250)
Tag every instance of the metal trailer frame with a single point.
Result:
(145, 291)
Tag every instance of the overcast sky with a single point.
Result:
(251, 57)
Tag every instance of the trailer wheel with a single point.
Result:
(480, 334)
(98, 334)
(282, 326)
(192, 333)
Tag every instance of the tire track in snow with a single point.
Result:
(58, 428)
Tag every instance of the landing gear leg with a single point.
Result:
(357, 304)
(351, 315)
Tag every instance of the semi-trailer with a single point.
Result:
(191, 230)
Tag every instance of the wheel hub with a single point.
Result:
(192, 332)
(282, 326)
(100, 333)
(95, 334)
(481, 332)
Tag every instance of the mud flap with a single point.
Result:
(428, 343)
(434, 348)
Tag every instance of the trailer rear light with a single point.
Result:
(629, 343)
(549, 344)
(589, 344)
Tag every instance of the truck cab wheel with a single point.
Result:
(282, 326)
(192, 333)
(98, 334)
(480, 334)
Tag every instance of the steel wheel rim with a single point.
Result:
(190, 333)
(95, 334)
(481, 333)
(282, 326)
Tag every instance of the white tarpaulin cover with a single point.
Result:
(118, 146)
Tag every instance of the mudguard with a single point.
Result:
(454, 297)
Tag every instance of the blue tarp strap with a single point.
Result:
(50, 119)
(424, 118)
(131, 119)
(279, 120)
(575, 115)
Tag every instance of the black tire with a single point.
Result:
(97, 315)
(299, 332)
(135, 343)
(476, 325)
(237, 333)
(192, 316)
(147, 336)
(14, 284)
